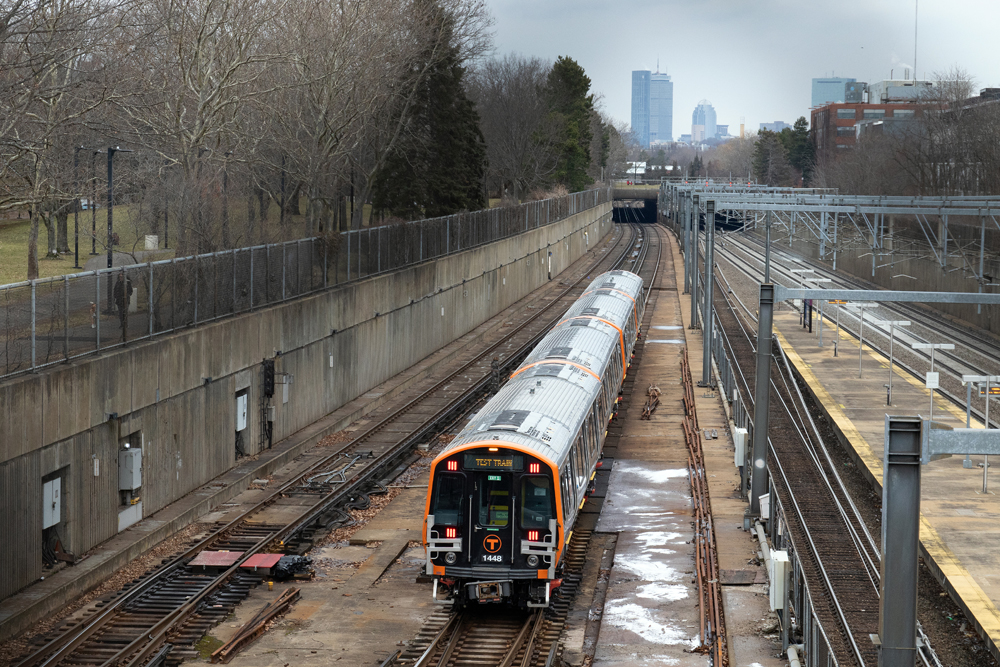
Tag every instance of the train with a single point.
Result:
(505, 493)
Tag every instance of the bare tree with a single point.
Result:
(509, 96)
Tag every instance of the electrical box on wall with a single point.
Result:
(241, 411)
(129, 469)
(740, 440)
(51, 502)
(780, 567)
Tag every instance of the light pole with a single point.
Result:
(76, 207)
(860, 307)
(987, 391)
(892, 324)
(932, 377)
(111, 198)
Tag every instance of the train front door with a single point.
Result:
(494, 510)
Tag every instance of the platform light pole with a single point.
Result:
(932, 377)
(76, 207)
(987, 391)
(860, 307)
(892, 325)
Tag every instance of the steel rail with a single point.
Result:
(157, 634)
(916, 315)
(44, 657)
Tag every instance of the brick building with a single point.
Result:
(833, 125)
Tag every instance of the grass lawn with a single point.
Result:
(131, 233)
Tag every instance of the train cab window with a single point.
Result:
(448, 493)
(536, 502)
(494, 500)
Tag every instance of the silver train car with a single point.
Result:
(504, 495)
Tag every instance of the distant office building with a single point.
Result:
(895, 91)
(776, 126)
(703, 122)
(685, 139)
(835, 126)
(661, 108)
(827, 91)
(721, 131)
(640, 107)
(652, 107)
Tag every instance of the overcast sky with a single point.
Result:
(752, 58)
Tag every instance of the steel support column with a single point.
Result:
(900, 537)
(762, 395)
(693, 252)
(706, 364)
(686, 241)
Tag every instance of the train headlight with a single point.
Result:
(532, 560)
(450, 558)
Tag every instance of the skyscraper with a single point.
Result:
(703, 122)
(825, 91)
(661, 108)
(640, 107)
(652, 107)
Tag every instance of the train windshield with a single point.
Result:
(447, 505)
(536, 506)
(494, 500)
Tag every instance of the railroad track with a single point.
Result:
(975, 353)
(174, 606)
(509, 638)
(828, 531)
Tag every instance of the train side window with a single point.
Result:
(537, 502)
(449, 489)
(579, 460)
(569, 495)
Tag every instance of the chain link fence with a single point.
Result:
(54, 320)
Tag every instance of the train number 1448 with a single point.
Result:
(492, 558)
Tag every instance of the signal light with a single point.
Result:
(450, 533)
(452, 465)
(532, 535)
(534, 468)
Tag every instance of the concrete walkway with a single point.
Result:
(651, 614)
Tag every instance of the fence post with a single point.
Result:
(197, 277)
(32, 325)
(251, 278)
(66, 318)
(298, 264)
(234, 282)
(421, 255)
(326, 262)
(348, 255)
(97, 309)
(284, 255)
(151, 297)
(378, 248)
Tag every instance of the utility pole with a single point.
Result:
(762, 393)
(932, 377)
(892, 325)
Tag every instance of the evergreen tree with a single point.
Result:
(570, 108)
(770, 159)
(800, 148)
(438, 168)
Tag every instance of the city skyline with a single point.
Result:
(764, 83)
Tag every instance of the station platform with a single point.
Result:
(651, 610)
(959, 532)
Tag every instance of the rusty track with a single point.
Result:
(824, 538)
(167, 608)
(712, 621)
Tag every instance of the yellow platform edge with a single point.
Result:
(945, 566)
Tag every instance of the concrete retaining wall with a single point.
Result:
(176, 396)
